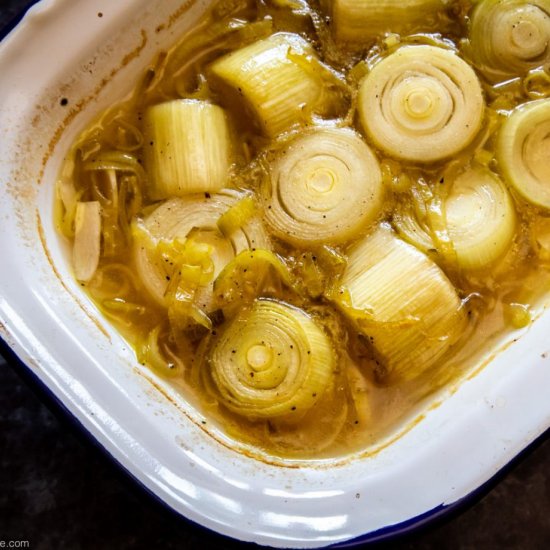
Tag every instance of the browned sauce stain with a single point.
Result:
(176, 15)
(247, 452)
(42, 236)
(80, 105)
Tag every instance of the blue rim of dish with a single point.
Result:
(392, 532)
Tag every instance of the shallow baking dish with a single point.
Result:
(64, 63)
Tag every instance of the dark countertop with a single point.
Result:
(59, 492)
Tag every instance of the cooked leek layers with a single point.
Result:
(194, 220)
(358, 20)
(310, 216)
(421, 104)
(402, 301)
(470, 225)
(510, 37)
(187, 148)
(325, 187)
(523, 151)
(272, 361)
(280, 79)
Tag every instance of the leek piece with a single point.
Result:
(414, 227)
(317, 271)
(540, 238)
(361, 20)
(402, 302)
(421, 104)
(273, 361)
(87, 240)
(325, 187)
(156, 352)
(237, 216)
(481, 218)
(187, 148)
(242, 278)
(510, 37)
(278, 78)
(196, 217)
(477, 215)
(523, 151)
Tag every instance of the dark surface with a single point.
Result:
(59, 492)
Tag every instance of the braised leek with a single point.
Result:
(474, 214)
(361, 20)
(510, 37)
(273, 361)
(188, 229)
(402, 302)
(325, 187)
(421, 104)
(187, 148)
(522, 151)
(279, 78)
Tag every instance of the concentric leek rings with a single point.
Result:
(510, 37)
(480, 217)
(324, 188)
(421, 104)
(523, 151)
(272, 361)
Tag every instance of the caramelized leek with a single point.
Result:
(273, 361)
(87, 240)
(510, 37)
(402, 302)
(421, 104)
(187, 148)
(279, 78)
(523, 151)
(325, 187)
(361, 20)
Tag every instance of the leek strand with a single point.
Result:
(87, 240)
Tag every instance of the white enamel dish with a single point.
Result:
(89, 52)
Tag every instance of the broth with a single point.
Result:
(238, 264)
